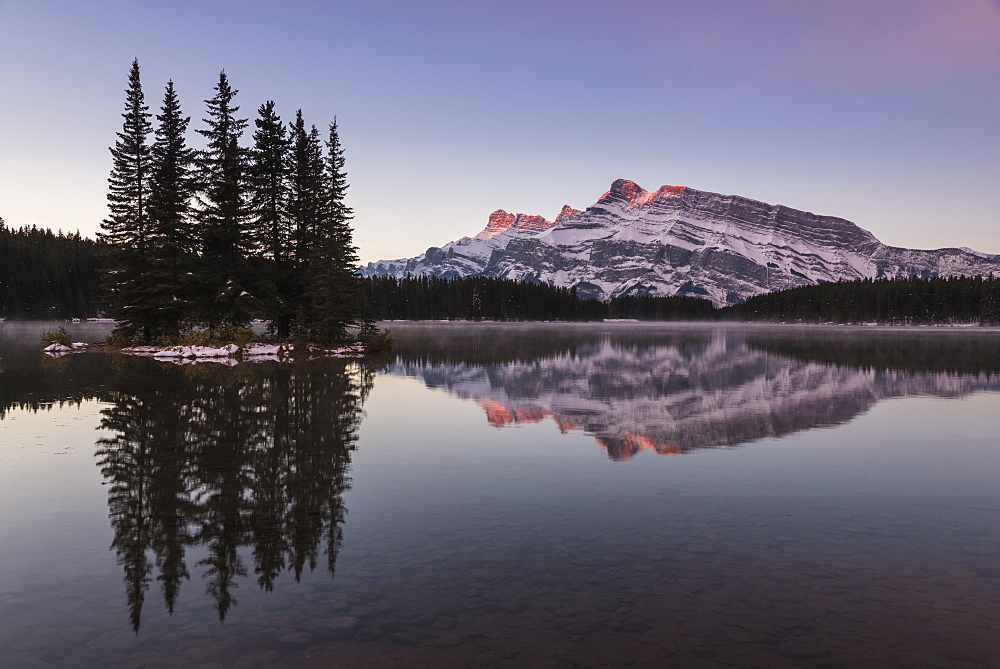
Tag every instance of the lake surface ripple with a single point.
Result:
(508, 495)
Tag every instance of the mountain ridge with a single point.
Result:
(678, 240)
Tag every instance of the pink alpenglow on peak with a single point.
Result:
(637, 196)
(565, 212)
(500, 221)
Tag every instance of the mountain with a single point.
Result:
(680, 241)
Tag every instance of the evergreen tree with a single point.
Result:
(334, 300)
(270, 227)
(127, 227)
(269, 172)
(163, 292)
(306, 211)
(307, 193)
(223, 213)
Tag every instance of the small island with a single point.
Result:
(199, 244)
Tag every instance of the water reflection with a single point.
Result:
(641, 391)
(237, 475)
(228, 460)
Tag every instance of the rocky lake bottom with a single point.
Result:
(508, 495)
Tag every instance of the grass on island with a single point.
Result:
(58, 336)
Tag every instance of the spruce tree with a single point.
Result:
(307, 193)
(127, 227)
(270, 226)
(269, 173)
(334, 300)
(166, 284)
(306, 203)
(223, 213)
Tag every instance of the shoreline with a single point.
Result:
(229, 353)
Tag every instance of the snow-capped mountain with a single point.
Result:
(673, 398)
(679, 241)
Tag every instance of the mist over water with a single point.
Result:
(502, 494)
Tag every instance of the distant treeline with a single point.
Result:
(482, 298)
(48, 275)
(886, 301)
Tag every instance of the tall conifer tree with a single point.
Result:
(307, 196)
(334, 300)
(223, 212)
(269, 173)
(306, 204)
(166, 284)
(127, 227)
(271, 230)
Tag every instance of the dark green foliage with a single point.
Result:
(307, 196)
(269, 176)
(905, 301)
(226, 278)
(222, 178)
(333, 300)
(661, 308)
(271, 227)
(376, 341)
(49, 275)
(128, 185)
(127, 227)
(306, 213)
(482, 298)
(884, 301)
(161, 294)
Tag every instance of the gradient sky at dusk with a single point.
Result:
(885, 113)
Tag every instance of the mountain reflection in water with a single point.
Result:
(641, 391)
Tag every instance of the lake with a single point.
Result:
(508, 495)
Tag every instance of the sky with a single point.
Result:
(884, 113)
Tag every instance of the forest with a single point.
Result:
(484, 298)
(46, 275)
(884, 301)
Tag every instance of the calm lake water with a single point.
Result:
(505, 495)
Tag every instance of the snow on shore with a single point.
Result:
(255, 351)
(228, 354)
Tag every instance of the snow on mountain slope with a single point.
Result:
(679, 241)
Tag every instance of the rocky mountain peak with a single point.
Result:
(500, 221)
(636, 196)
(566, 211)
(692, 243)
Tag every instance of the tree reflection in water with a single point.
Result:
(226, 459)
